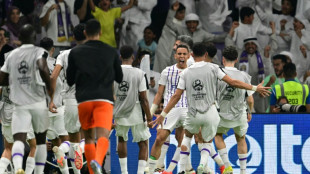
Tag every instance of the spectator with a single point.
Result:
(281, 100)
(296, 93)
(306, 33)
(148, 43)
(168, 38)
(4, 47)
(106, 16)
(247, 28)
(300, 58)
(283, 23)
(254, 60)
(56, 18)
(135, 20)
(13, 26)
(82, 10)
(193, 29)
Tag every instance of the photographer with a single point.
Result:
(296, 93)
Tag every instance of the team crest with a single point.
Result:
(123, 86)
(197, 85)
(230, 88)
(23, 67)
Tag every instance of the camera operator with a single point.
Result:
(281, 101)
(295, 92)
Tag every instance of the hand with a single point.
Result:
(276, 110)
(273, 27)
(303, 50)
(235, 24)
(272, 79)
(298, 32)
(149, 124)
(263, 90)
(249, 117)
(283, 34)
(52, 108)
(158, 121)
(267, 50)
(54, 6)
(282, 23)
(175, 6)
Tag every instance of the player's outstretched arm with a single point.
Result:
(172, 102)
(239, 84)
(250, 102)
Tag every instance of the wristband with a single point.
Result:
(153, 109)
(163, 114)
(254, 88)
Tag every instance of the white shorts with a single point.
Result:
(240, 126)
(140, 132)
(57, 125)
(35, 114)
(207, 121)
(71, 116)
(174, 119)
(7, 133)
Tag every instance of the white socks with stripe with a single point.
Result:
(40, 158)
(242, 161)
(18, 154)
(30, 164)
(4, 162)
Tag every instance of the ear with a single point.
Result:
(84, 32)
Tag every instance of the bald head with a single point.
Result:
(27, 34)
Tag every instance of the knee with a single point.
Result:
(160, 140)
(142, 144)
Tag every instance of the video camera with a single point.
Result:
(292, 108)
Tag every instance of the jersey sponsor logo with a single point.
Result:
(123, 87)
(23, 68)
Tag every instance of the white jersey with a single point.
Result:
(170, 78)
(200, 83)
(232, 100)
(127, 96)
(62, 60)
(26, 86)
(7, 107)
(59, 83)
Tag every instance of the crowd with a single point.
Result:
(50, 54)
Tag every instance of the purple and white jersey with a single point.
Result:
(170, 78)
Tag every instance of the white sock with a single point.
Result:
(175, 160)
(4, 162)
(65, 146)
(141, 166)
(184, 154)
(204, 153)
(18, 154)
(123, 164)
(242, 161)
(82, 145)
(216, 157)
(30, 164)
(71, 158)
(152, 165)
(64, 170)
(189, 163)
(200, 146)
(40, 158)
(161, 159)
(224, 156)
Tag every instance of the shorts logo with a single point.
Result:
(23, 67)
(123, 86)
(197, 85)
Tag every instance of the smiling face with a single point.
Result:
(192, 25)
(181, 56)
(250, 47)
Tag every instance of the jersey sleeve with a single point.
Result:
(163, 78)
(4, 68)
(117, 12)
(45, 9)
(220, 74)
(143, 86)
(96, 13)
(181, 83)
(60, 59)
(248, 81)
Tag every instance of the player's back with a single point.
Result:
(127, 92)
(232, 100)
(26, 85)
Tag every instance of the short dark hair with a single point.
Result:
(280, 57)
(2, 29)
(92, 27)
(181, 7)
(230, 53)
(183, 46)
(211, 49)
(289, 70)
(46, 43)
(199, 49)
(294, 4)
(126, 51)
(187, 40)
(27, 34)
(246, 11)
(78, 32)
(150, 28)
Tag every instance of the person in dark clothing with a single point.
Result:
(93, 67)
(82, 10)
(4, 47)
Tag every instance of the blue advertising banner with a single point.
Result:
(277, 143)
